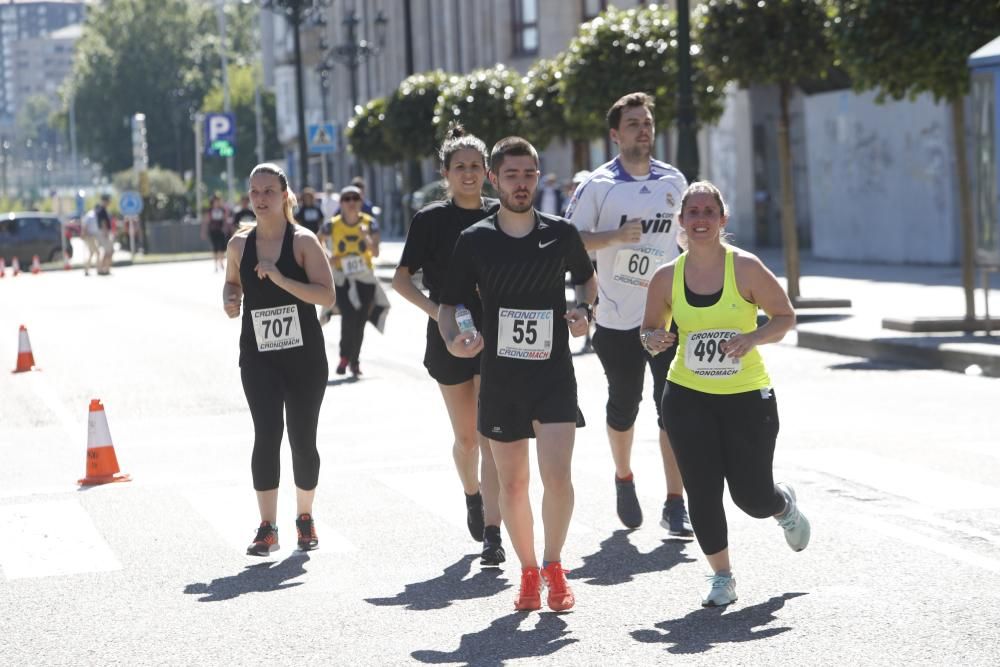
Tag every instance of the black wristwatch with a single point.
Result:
(588, 309)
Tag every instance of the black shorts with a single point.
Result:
(508, 417)
(444, 366)
(218, 239)
(624, 361)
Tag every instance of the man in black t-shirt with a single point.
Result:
(309, 214)
(517, 259)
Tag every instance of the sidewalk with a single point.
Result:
(876, 291)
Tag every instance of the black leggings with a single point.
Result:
(274, 390)
(723, 438)
(624, 360)
(353, 320)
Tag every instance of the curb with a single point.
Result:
(910, 352)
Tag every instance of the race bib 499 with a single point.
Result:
(276, 328)
(524, 334)
(703, 353)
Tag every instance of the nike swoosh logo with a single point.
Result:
(546, 244)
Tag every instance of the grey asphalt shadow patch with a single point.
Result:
(452, 585)
(503, 640)
(618, 561)
(258, 578)
(700, 630)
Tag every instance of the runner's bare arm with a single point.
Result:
(232, 290)
(656, 321)
(758, 285)
(319, 290)
(585, 293)
(460, 344)
(402, 282)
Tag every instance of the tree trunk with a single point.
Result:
(789, 232)
(968, 237)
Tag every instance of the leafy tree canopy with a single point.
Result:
(909, 47)
(484, 101)
(540, 106)
(366, 134)
(625, 51)
(410, 111)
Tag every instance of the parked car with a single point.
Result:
(25, 234)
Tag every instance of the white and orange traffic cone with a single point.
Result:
(66, 264)
(3, 267)
(36, 266)
(15, 266)
(25, 359)
(102, 464)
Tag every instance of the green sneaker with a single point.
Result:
(721, 591)
(794, 523)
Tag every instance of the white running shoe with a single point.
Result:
(794, 523)
(721, 591)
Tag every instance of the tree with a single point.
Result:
(625, 51)
(779, 42)
(541, 106)
(366, 134)
(167, 199)
(242, 81)
(409, 112)
(908, 48)
(157, 57)
(484, 101)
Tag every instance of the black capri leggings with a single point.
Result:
(723, 438)
(274, 390)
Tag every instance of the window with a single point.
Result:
(525, 25)
(592, 8)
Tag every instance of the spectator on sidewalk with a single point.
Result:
(105, 235)
(309, 215)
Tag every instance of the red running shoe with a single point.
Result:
(306, 529)
(529, 598)
(560, 596)
(265, 542)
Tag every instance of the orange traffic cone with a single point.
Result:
(36, 266)
(25, 359)
(15, 266)
(3, 267)
(66, 264)
(102, 464)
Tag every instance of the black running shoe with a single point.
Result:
(628, 505)
(675, 518)
(493, 553)
(306, 529)
(265, 542)
(474, 518)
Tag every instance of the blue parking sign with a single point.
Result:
(220, 134)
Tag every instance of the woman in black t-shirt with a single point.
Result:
(429, 245)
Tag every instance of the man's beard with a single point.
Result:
(637, 153)
(509, 203)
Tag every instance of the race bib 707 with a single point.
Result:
(276, 328)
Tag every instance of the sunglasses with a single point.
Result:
(350, 198)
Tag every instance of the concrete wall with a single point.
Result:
(881, 179)
(726, 149)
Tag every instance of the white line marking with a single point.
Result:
(879, 527)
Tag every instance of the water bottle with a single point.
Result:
(464, 319)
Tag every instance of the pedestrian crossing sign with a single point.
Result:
(322, 138)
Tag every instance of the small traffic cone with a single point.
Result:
(36, 266)
(3, 267)
(66, 264)
(25, 359)
(102, 464)
(15, 266)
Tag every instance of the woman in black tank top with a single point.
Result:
(280, 272)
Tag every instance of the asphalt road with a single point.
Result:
(896, 468)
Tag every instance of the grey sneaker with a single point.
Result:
(721, 591)
(794, 523)
(628, 505)
(675, 518)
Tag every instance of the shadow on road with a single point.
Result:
(502, 641)
(345, 380)
(440, 592)
(872, 365)
(258, 578)
(700, 630)
(618, 560)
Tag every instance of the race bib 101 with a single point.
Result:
(352, 264)
(635, 266)
(704, 356)
(276, 328)
(524, 334)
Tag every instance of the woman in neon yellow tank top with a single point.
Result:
(718, 408)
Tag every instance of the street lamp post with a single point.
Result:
(687, 132)
(296, 13)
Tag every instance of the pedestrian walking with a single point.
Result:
(90, 233)
(309, 215)
(243, 214)
(278, 272)
(625, 211)
(718, 406)
(353, 241)
(517, 259)
(215, 224)
(105, 236)
(429, 244)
